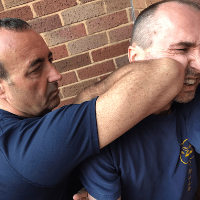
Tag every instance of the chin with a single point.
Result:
(54, 104)
(184, 97)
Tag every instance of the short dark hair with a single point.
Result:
(146, 23)
(15, 25)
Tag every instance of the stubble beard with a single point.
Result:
(185, 97)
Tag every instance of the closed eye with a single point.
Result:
(184, 49)
(36, 69)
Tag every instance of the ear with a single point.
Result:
(2, 89)
(135, 53)
(132, 53)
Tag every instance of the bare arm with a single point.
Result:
(140, 90)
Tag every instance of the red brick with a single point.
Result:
(68, 78)
(149, 2)
(107, 22)
(64, 34)
(136, 13)
(122, 61)
(110, 51)
(87, 43)
(13, 3)
(46, 7)
(65, 102)
(23, 13)
(83, 12)
(96, 70)
(73, 63)
(139, 4)
(59, 52)
(72, 90)
(45, 24)
(121, 33)
(115, 5)
(1, 6)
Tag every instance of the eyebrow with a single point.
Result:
(39, 60)
(184, 44)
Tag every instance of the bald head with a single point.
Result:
(153, 19)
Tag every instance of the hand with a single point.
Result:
(81, 195)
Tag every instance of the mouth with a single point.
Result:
(190, 81)
(55, 91)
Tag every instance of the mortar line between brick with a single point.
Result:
(4, 5)
(79, 80)
(114, 61)
(86, 29)
(61, 92)
(32, 10)
(58, 45)
(128, 14)
(108, 37)
(69, 53)
(67, 98)
(145, 2)
(90, 54)
(61, 18)
(78, 2)
(105, 7)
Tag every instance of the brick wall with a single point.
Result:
(88, 38)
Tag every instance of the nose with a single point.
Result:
(54, 74)
(195, 60)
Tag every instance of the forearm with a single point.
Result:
(150, 86)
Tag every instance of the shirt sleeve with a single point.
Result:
(100, 176)
(45, 150)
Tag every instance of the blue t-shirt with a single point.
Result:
(38, 155)
(154, 160)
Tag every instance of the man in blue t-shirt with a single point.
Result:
(40, 148)
(155, 159)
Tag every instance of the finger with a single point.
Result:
(81, 194)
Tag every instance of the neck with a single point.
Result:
(4, 105)
(166, 110)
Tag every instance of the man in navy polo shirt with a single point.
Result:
(156, 159)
